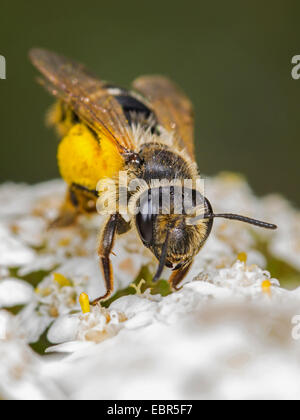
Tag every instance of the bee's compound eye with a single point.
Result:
(144, 223)
(146, 217)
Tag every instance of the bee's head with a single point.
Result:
(169, 225)
(175, 222)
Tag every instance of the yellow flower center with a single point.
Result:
(266, 287)
(242, 257)
(62, 280)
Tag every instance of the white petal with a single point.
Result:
(72, 347)
(15, 292)
(64, 329)
(33, 323)
(5, 324)
(12, 252)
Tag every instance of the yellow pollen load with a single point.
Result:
(84, 160)
(266, 287)
(61, 280)
(84, 303)
(242, 257)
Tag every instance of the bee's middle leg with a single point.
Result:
(115, 225)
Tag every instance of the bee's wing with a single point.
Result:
(85, 94)
(173, 109)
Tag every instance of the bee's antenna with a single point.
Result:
(162, 260)
(243, 219)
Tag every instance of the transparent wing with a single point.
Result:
(173, 109)
(85, 94)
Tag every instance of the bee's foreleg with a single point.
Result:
(115, 224)
(178, 275)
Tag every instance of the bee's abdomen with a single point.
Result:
(132, 105)
(134, 109)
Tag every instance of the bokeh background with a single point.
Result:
(232, 58)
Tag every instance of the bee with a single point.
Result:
(146, 132)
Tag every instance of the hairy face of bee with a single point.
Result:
(176, 220)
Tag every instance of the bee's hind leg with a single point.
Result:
(68, 212)
(79, 199)
(115, 225)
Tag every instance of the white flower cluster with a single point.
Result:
(226, 334)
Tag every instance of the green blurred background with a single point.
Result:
(232, 58)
